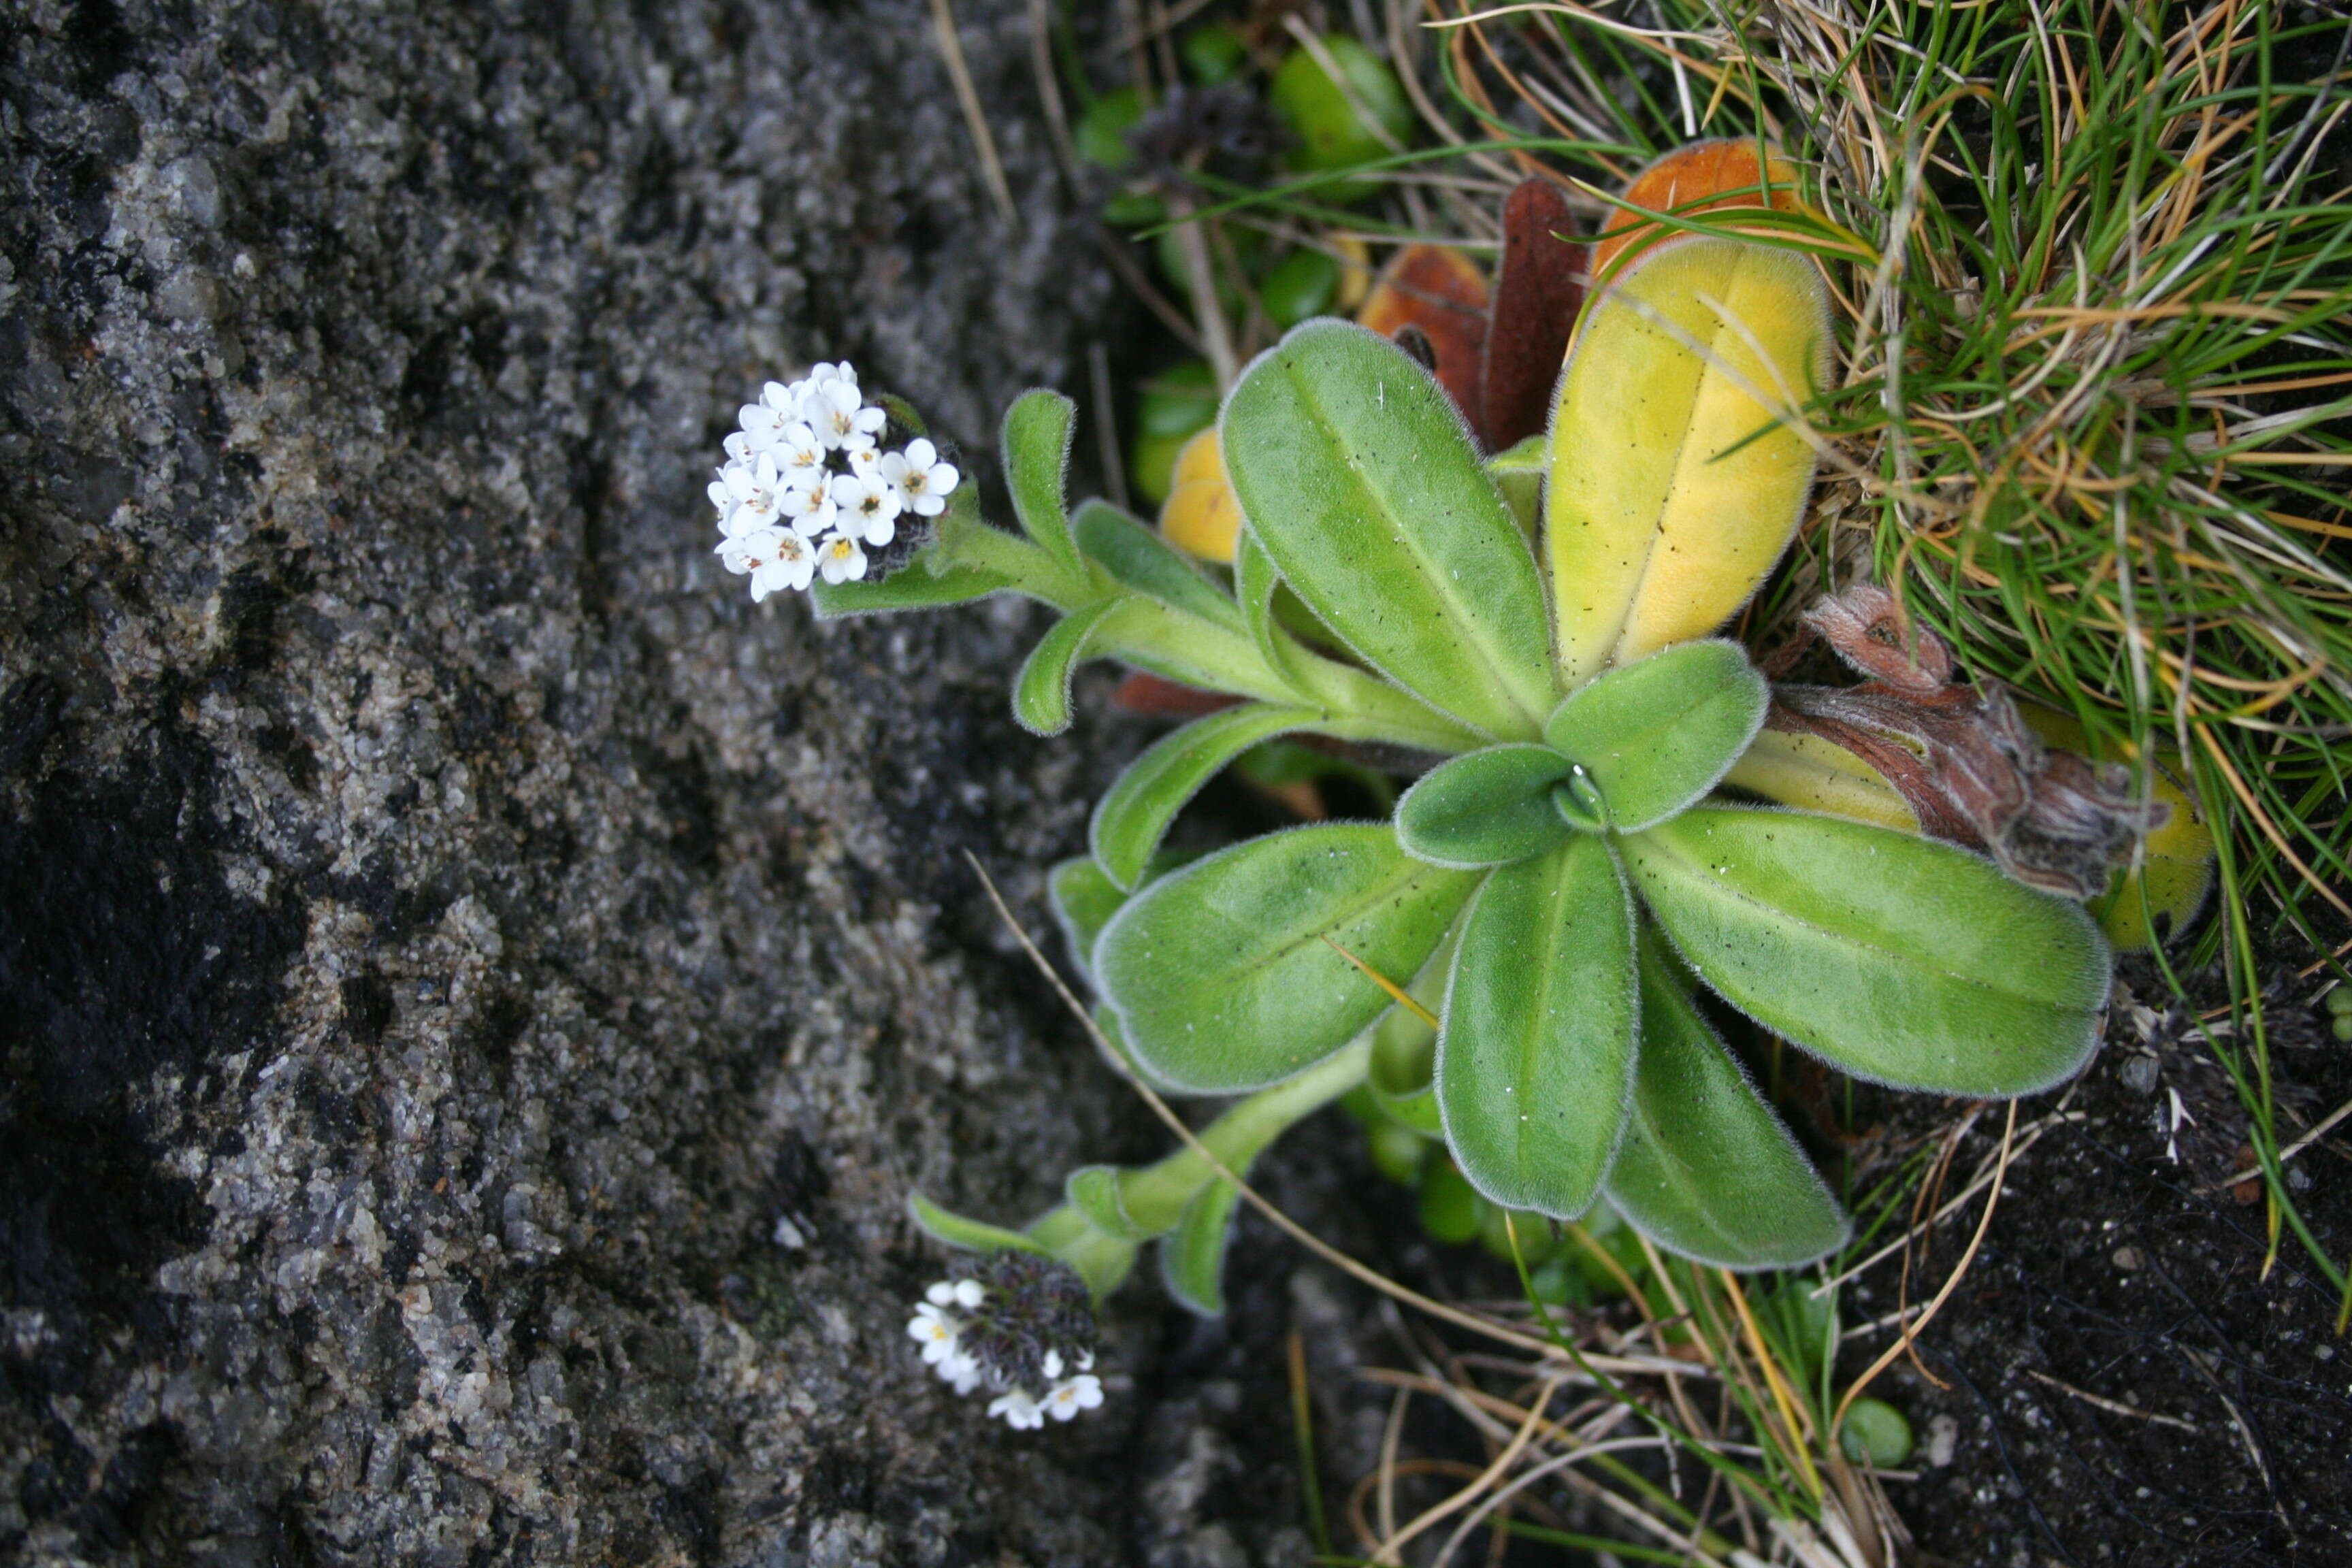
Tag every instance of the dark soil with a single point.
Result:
(2134, 1277)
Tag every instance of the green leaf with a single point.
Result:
(1123, 1060)
(1874, 1432)
(1898, 959)
(1706, 1169)
(1133, 816)
(1403, 1072)
(1656, 734)
(911, 588)
(1102, 1261)
(1222, 974)
(1084, 899)
(1193, 1260)
(1450, 1209)
(1484, 809)
(1037, 456)
(1094, 1191)
(1536, 1060)
(957, 1231)
(1360, 483)
(1041, 694)
(1140, 558)
(1255, 582)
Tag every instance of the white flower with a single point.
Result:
(921, 477)
(1073, 1394)
(757, 490)
(840, 560)
(764, 424)
(869, 509)
(965, 1293)
(739, 447)
(834, 409)
(1021, 1413)
(935, 1331)
(1053, 1366)
(742, 552)
(790, 564)
(782, 398)
(962, 1371)
(865, 462)
(799, 455)
(823, 371)
(808, 507)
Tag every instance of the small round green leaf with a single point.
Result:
(1484, 809)
(1535, 1057)
(1898, 959)
(1656, 734)
(1706, 1170)
(1221, 973)
(1876, 1433)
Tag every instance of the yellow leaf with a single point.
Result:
(1814, 775)
(1676, 483)
(1201, 514)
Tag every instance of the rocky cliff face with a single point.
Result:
(475, 989)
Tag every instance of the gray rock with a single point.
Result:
(478, 989)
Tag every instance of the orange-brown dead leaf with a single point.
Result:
(1442, 292)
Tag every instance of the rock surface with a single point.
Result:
(477, 989)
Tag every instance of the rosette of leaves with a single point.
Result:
(1567, 894)
(1573, 873)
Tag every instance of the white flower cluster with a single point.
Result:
(807, 490)
(938, 1326)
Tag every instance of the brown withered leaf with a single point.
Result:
(1539, 289)
(1969, 767)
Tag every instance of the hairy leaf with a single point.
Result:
(1536, 1059)
(1041, 694)
(1094, 1191)
(1084, 899)
(1896, 958)
(1484, 809)
(1656, 734)
(912, 588)
(1133, 816)
(1192, 1259)
(1036, 457)
(1706, 1169)
(1357, 479)
(957, 1231)
(1222, 974)
(1140, 558)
